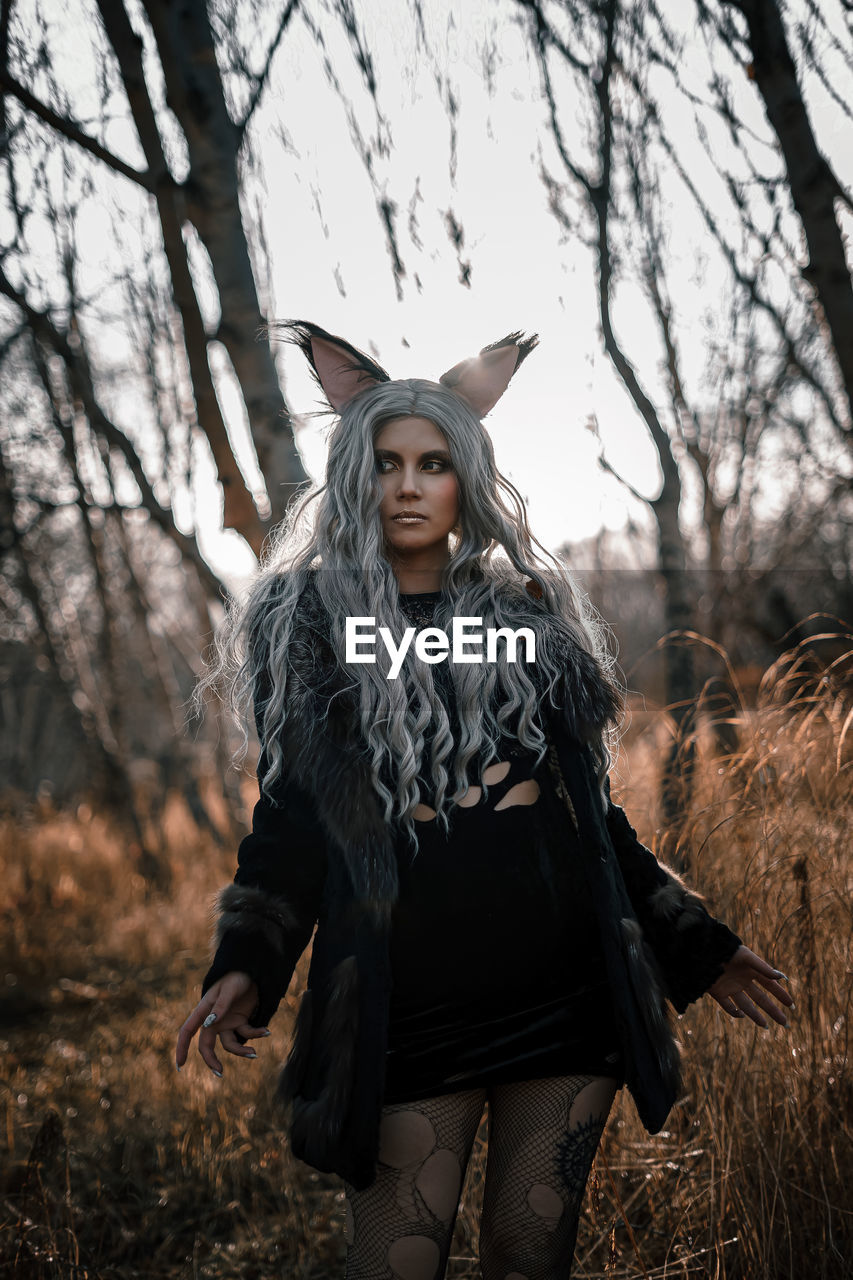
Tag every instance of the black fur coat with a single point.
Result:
(321, 853)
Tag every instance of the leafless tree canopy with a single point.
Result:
(619, 81)
(134, 276)
(133, 281)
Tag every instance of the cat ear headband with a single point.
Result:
(343, 371)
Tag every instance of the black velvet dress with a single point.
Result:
(496, 960)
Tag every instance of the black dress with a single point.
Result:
(496, 960)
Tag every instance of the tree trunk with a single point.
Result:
(677, 775)
(194, 92)
(814, 187)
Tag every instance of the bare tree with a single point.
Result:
(814, 187)
(112, 377)
(206, 198)
(595, 60)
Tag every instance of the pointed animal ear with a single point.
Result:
(340, 368)
(482, 380)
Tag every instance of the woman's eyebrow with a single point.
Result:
(430, 453)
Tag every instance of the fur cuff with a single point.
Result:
(673, 901)
(249, 910)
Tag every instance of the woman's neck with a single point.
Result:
(414, 579)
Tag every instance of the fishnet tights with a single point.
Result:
(543, 1135)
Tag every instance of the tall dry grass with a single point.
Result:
(117, 1167)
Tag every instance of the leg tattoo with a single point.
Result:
(543, 1135)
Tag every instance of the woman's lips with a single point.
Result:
(408, 519)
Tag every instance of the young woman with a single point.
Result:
(489, 927)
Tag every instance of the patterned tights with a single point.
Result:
(543, 1136)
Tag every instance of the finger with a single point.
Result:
(183, 1041)
(207, 1049)
(189, 1028)
(744, 1003)
(231, 1044)
(727, 1003)
(767, 1004)
(766, 970)
(776, 989)
(248, 1032)
(223, 1002)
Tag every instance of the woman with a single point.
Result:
(488, 925)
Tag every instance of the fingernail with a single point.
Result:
(250, 1055)
(177, 1066)
(777, 973)
(209, 1020)
(266, 1032)
(217, 1073)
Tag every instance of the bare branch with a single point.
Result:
(385, 207)
(750, 283)
(608, 467)
(546, 35)
(544, 40)
(72, 131)
(261, 80)
(44, 329)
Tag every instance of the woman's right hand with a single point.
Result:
(223, 1010)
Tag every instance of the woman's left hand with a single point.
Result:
(749, 984)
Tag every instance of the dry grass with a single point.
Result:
(118, 1167)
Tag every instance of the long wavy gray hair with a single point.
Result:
(336, 526)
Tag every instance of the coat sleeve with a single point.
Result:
(267, 915)
(690, 945)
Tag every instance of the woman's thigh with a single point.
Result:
(401, 1226)
(543, 1136)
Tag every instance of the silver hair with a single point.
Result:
(335, 527)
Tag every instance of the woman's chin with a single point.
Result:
(409, 537)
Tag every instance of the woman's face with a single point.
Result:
(417, 477)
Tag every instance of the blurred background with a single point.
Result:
(662, 190)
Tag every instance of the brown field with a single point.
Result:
(116, 1166)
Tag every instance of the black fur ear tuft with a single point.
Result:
(340, 369)
(517, 339)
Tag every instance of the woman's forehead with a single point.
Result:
(409, 431)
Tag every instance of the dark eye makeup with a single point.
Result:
(441, 461)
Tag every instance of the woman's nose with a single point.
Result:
(408, 482)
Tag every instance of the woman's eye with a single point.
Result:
(432, 465)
